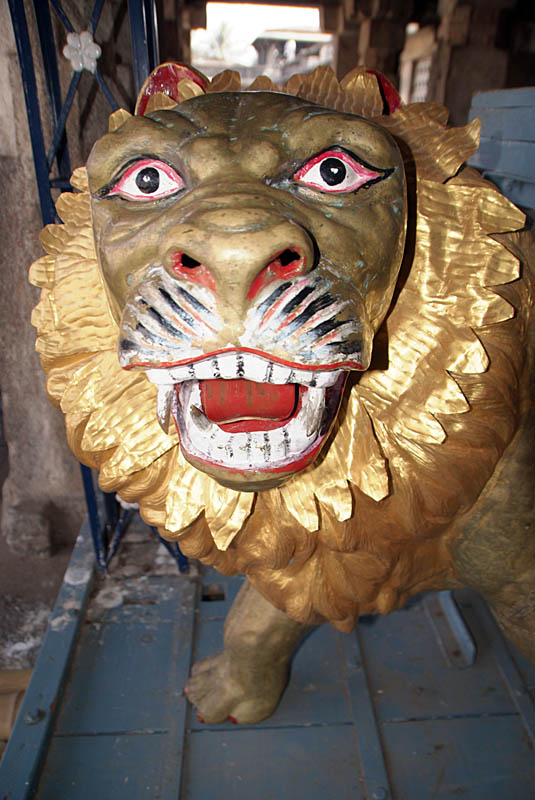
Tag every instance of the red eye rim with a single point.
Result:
(170, 173)
(364, 175)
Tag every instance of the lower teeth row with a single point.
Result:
(251, 449)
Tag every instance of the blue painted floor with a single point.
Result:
(382, 713)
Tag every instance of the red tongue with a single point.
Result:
(228, 400)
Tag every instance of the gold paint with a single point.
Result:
(159, 101)
(405, 438)
(187, 89)
(262, 84)
(117, 118)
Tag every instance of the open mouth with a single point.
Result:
(246, 412)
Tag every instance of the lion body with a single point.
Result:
(391, 505)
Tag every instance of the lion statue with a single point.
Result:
(296, 330)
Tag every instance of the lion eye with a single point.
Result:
(148, 179)
(335, 171)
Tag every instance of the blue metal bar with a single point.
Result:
(97, 533)
(20, 29)
(50, 65)
(453, 636)
(62, 15)
(60, 129)
(95, 16)
(151, 19)
(105, 89)
(174, 550)
(143, 33)
(120, 528)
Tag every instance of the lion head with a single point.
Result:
(232, 262)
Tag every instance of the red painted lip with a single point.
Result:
(275, 359)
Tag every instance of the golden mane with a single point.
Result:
(366, 517)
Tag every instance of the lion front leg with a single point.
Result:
(244, 683)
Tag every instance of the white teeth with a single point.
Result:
(163, 405)
(314, 410)
(249, 366)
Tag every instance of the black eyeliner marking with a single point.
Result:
(105, 190)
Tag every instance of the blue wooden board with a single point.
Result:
(516, 159)
(482, 758)
(111, 767)
(505, 98)
(315, 762)
(380, 713)
(506, 152)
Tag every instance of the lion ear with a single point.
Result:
(168, 85)
(391, 99)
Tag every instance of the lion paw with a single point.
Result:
(219, 696)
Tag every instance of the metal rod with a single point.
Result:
(58, 133)
(50, 65)
(62, 15)
(120, 528)
(105, 89)
(95, 16)
(22, 39)
(138, 35)
(97, 533)
(181, 560)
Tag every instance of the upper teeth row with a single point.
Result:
(236, 364)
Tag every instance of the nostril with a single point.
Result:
(285, 264)
(183, 260)
(185, 266)
(288, 256)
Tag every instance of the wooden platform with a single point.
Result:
(388, 711)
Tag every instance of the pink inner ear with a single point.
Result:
(390, 94)
(165, 79)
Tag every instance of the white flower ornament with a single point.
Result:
(82, 51)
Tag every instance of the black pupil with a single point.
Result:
(333, 171)
(148, 180)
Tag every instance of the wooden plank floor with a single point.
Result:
(377, 714)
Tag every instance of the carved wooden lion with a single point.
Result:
(295, 329)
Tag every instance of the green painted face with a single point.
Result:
(250, 244)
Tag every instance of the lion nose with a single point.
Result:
(238, 253)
